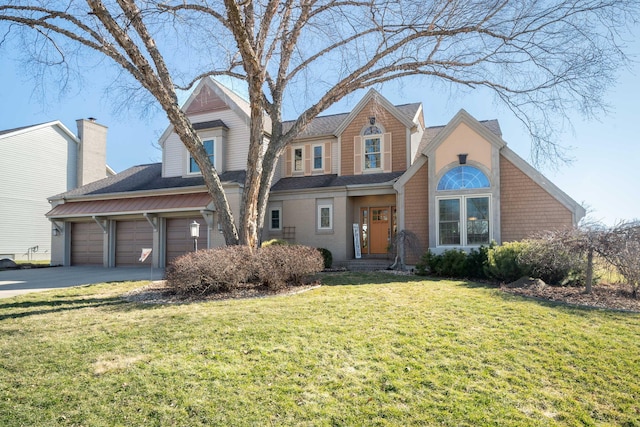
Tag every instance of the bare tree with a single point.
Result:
(541, 58)
(620, 246)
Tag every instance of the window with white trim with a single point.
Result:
(372, 149)
(275, 219)
(209, 147)
(317, 156)
(297, 160)
(464, 220)
(325, 217)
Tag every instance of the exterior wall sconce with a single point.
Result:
(372, 120)
(462, 158)
(194, 229)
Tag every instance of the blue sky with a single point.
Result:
(604, 177)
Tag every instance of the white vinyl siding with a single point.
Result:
(34, 165)
(235, 151)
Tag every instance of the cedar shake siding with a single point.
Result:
(390, 124)
(525, 207)
(416, 210)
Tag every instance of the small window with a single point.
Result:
(275, 219)
(372, 147)
(325, 217)
(209, 147)
(297, 160)
(317, 157)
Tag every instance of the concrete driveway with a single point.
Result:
(18, 282)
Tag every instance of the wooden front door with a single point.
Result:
(379, 231)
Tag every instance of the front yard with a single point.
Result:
(378, 350)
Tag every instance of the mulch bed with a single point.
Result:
(159, 293)
(607, 296)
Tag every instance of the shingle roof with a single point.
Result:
(210, 125)
(327, 125)
(4, 132)
(144, 178)
(329, 181)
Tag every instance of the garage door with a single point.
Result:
(86, 243)
(179, 239)
(131, 237)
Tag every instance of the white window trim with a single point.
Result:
(463, 215)
(279, 210)
(215, 156)
(293, 155)
(380, 137)
(313, 157)
(319, 215)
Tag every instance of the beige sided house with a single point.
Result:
(349, 183)
(36, 162)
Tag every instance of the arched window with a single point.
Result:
(372, 147)
(463, 178)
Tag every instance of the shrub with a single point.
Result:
(503, 262)
(553, 262)
(210, 270)
(274, 242)
(278, 265)
(327, 257)
(454, 263)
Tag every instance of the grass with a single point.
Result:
(367, 350)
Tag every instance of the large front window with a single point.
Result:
(209, 147)
(463, 221)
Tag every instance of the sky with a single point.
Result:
(604, 175)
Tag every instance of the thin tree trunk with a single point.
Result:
(589, 279)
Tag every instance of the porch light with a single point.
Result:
(462, 158)
(194, 229)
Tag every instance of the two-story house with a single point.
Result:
(38, 161)
(348, 183)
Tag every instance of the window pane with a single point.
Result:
(325, 217)
(317, 157)
(463, 177)
(298, 159)
(449, 226)
(209, 148)
(275, 219)
(477, 220)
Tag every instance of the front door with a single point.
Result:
(379, 231)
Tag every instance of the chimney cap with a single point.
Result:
(93, 119)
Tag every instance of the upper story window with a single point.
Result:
(463, 178)
(317, 156)
(297, 160)
(209, 147)
(372, 136)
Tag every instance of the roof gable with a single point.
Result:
(375, 96)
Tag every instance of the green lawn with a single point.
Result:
(378, 350)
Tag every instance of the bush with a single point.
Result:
(327, 257)
(553, 262)
(454, 263)
(278, 265)
(274, 242)
(210, 270)
(503, 262)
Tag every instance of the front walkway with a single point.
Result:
(18, 282)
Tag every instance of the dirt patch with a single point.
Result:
(614, 297)
(159, 293)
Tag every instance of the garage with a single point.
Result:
(179, 239)
(131, 237)
(86, 243)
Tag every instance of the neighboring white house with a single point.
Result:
(38, 161)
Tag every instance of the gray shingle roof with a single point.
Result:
(4, 132)
(327, 125)
(144, 178)
(210, 125)
(329, 181)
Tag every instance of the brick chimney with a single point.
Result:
(92, 152)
